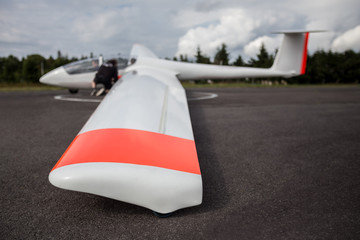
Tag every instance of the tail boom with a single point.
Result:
(290, 61)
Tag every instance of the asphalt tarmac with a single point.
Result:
(277, 163)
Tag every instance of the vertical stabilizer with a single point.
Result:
(292, 55)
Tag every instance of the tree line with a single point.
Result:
(31, 68)
(322, 66)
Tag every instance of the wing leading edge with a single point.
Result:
(137, 147)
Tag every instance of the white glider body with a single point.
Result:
(79, 74)
(59, 77)
(138, 146)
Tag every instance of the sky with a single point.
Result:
(170, 28)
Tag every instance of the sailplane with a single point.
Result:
(138, 146)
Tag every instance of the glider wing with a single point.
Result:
(137, 147)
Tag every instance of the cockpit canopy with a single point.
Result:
(92, 65)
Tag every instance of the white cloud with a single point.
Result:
(189, 18)
(348, 40)
(98, 27)
(244, 26)
(166, 27)
(234, 28)
(271, 44)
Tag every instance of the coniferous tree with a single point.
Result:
(222, 56)
(200, 58)
(184, 58)
(264, 59)
(239, 62)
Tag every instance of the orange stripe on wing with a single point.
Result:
(133, 147)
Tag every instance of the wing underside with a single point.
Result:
(137, 147)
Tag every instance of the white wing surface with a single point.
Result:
(137, 147)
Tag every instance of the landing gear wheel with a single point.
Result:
(73, 91)
(163, 215)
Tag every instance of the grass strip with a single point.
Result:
(9, 87)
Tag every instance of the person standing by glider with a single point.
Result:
(107, 75)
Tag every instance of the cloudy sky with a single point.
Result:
(170, 27)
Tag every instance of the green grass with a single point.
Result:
(257, 85)
(8, 87)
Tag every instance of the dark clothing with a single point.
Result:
(105, 74)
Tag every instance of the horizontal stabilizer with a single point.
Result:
(298, 31)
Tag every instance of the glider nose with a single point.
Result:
(53, 77)
(45, 79)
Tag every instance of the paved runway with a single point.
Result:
(277, 163)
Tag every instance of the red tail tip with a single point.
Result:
(304, 58)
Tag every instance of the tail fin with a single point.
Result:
(292, 55)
